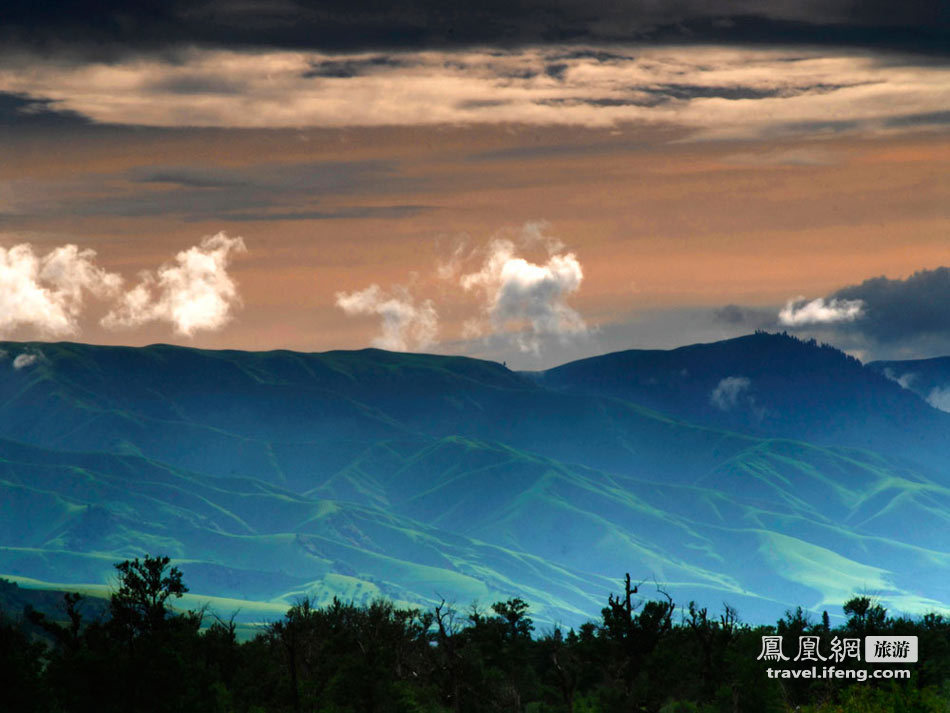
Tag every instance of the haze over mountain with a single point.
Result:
(762, 471)
(928, 378)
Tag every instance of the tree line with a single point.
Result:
(643, 654)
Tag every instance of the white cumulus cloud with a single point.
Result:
(193, 293)
(47, 292)
(526, 296)
(799, 313)
(404, 322)
(726, 395)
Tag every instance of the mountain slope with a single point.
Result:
(68, 517)
(769, 385)
(267, 475)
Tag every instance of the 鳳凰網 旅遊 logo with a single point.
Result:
(811, 648)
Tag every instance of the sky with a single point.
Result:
(528, 182)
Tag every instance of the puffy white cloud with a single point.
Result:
(799, 313)
(47, 293)
(726, 395)
(404, 322)
(527, 296)
(193, 293)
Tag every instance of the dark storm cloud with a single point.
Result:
(881, 318)
(896, 310)
(23, 112)
(887, 311)
(112, 27)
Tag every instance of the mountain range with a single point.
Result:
(762, 471)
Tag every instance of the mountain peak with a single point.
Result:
(770, 384)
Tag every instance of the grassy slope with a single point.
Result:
(68, 517)
(416, 475)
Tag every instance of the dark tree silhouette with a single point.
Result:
(380, 658)
(144, 588)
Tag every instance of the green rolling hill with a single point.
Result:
(271, 475)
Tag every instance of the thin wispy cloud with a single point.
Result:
(405, 323)
(939, 398)
(305, 190)
(727, 393)
(804, 157)
(729, 93)
(905, 380)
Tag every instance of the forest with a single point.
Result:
(644, 654)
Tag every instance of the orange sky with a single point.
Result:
(661, 217)
(655, 224)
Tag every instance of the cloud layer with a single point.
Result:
(114, 27)
(715, 92)
(405, 323)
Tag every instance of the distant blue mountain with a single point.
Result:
(762, 471)
(770, 385)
